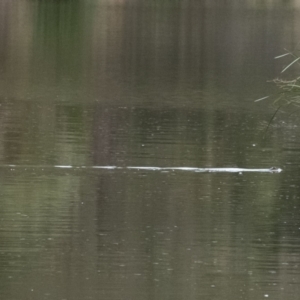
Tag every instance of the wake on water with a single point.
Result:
(190, 169)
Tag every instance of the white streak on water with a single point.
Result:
(189, 169)
(104, 167)
(184, 169)
(62, 167)
(146, 168)
(212, 170)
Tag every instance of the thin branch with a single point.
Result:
(295, 60)
(275, 113)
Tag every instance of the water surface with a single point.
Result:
(158, 85)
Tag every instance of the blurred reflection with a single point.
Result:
(134, 83)
(73, 51)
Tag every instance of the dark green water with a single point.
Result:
(157, 84)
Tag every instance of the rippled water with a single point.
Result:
(134, 162)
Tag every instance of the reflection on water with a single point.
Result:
(133, 83)
(119, 53)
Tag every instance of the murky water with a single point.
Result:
(89, 90)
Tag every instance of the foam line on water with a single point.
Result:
(146, 168)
